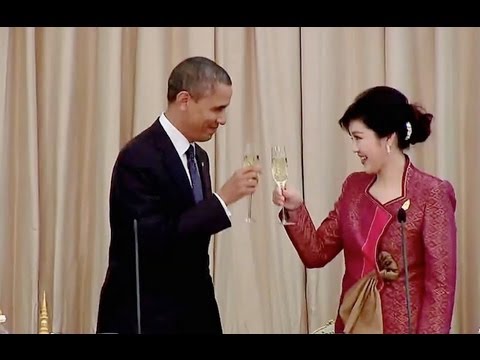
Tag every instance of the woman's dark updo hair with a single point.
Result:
(386, 110)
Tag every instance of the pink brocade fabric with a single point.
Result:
(431, 246)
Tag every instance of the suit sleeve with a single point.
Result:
(137, 194)
(440, 236)
(316, 247)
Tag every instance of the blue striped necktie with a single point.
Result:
(194, 174)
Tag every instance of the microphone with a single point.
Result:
(137, 276)
(402, 218)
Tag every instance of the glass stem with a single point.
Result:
(250, 206)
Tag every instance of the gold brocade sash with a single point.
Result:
(361, 308)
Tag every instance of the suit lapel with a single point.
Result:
(172, 162)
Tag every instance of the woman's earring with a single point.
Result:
(388, 149)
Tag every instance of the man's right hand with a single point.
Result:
(243, 182)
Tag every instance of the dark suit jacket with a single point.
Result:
(150, 184)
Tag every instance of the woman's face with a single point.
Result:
(371, 150)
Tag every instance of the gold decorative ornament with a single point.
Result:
(3, 318)
(43, 316)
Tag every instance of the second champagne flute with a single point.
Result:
(280, 173)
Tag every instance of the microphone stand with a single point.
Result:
(137, 275)
(402, 218)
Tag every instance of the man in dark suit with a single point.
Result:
(161, 183)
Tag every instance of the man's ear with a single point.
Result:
(183, 97)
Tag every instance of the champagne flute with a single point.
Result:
(280, 173)
(250, 159)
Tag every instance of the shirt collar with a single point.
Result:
(179, 141)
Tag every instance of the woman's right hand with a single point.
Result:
(290, 198)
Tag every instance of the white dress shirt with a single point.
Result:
(181, 144)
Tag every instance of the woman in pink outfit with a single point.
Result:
(364, 224)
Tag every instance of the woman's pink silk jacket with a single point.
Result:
(362, 227)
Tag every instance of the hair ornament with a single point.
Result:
(409, 130)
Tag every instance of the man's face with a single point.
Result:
(205, 115)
